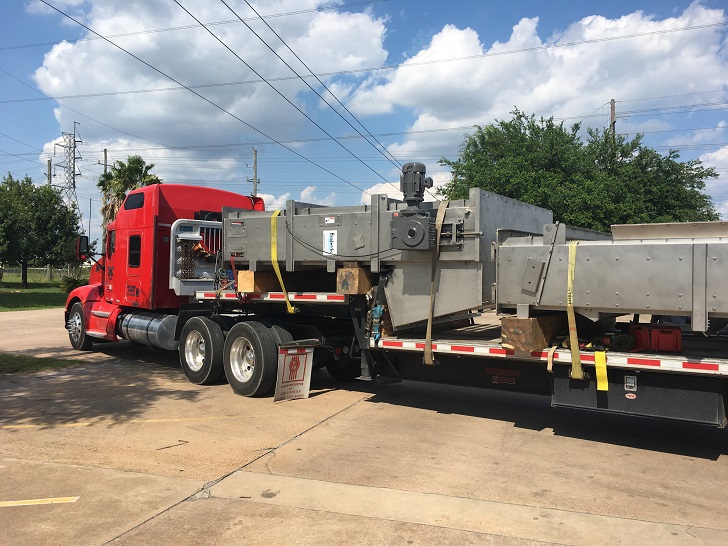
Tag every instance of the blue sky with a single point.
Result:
(415, 75)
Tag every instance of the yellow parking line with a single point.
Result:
(32, 502)
(121, 422)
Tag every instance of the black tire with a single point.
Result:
(344, 369)
(201, 346)
(250, 359)
(280, 335)
(77, 329)
(225, 322)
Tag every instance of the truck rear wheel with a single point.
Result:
(250, 359)
(77, 329)
(201, 347)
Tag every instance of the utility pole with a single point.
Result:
(255, 180)
(613, 117)
(49, 171)
(106, 161)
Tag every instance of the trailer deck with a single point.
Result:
(483, 339)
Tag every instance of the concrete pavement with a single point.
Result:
(156, 460)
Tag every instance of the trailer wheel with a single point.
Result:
(77, 329)
(201, 348)
(225, 322)
(344, 369)
(280, 335)
(250, 359)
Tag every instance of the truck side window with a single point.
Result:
(111, 244)
(135, 250)
(134, 201)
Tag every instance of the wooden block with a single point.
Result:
(353, 280)
(258, 281)
(531, 334)
(299, 281)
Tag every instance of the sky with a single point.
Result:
(334, 95)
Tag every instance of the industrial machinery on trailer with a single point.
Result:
(393, 289)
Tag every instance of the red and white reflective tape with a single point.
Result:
(479, 349)
(667, 363)
(299, 351)
(304, 297)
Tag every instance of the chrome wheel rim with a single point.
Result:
(242, 359)
(74, 326)
(195, 351)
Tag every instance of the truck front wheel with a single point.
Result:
(250, 359)
(201, 348)
(77, 329)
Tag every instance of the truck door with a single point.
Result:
(110, 263)
(133, 285)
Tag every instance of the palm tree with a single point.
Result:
(120, 179)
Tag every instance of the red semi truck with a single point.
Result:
(128, 294)
(389, 290)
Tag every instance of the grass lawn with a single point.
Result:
(11, 363)
(39, 294)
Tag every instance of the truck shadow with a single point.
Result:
(104, 390)
(534, 412)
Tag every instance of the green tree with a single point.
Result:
(121, 179)
(36, 226)
(607, 180)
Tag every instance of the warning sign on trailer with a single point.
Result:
(294, 373)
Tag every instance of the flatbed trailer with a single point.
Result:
(688, 386)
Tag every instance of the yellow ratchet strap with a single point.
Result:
(429, 359)
(600, 362)
(274, 257)
(576, 371)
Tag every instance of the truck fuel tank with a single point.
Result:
(149, 329)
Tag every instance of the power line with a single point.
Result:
(289, 101)
(76, 111)
(406, 64)
(199, 95)
(190, 27)
(381, 148)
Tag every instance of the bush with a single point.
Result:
(68, 283)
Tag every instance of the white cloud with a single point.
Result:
(699, 136)
(566, 82)
(718, 187)
(190, 140)
(187, 138)
(34, 7)
(273, 202)
(308, 195)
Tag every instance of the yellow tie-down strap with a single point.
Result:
(274, 257)
(576, 370)
(600, 363)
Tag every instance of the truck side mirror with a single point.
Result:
(82, 247)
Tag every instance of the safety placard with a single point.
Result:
(330, 242)
(294, 373)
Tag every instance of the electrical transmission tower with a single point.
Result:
(70, 171)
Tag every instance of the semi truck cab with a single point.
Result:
(129, 292)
